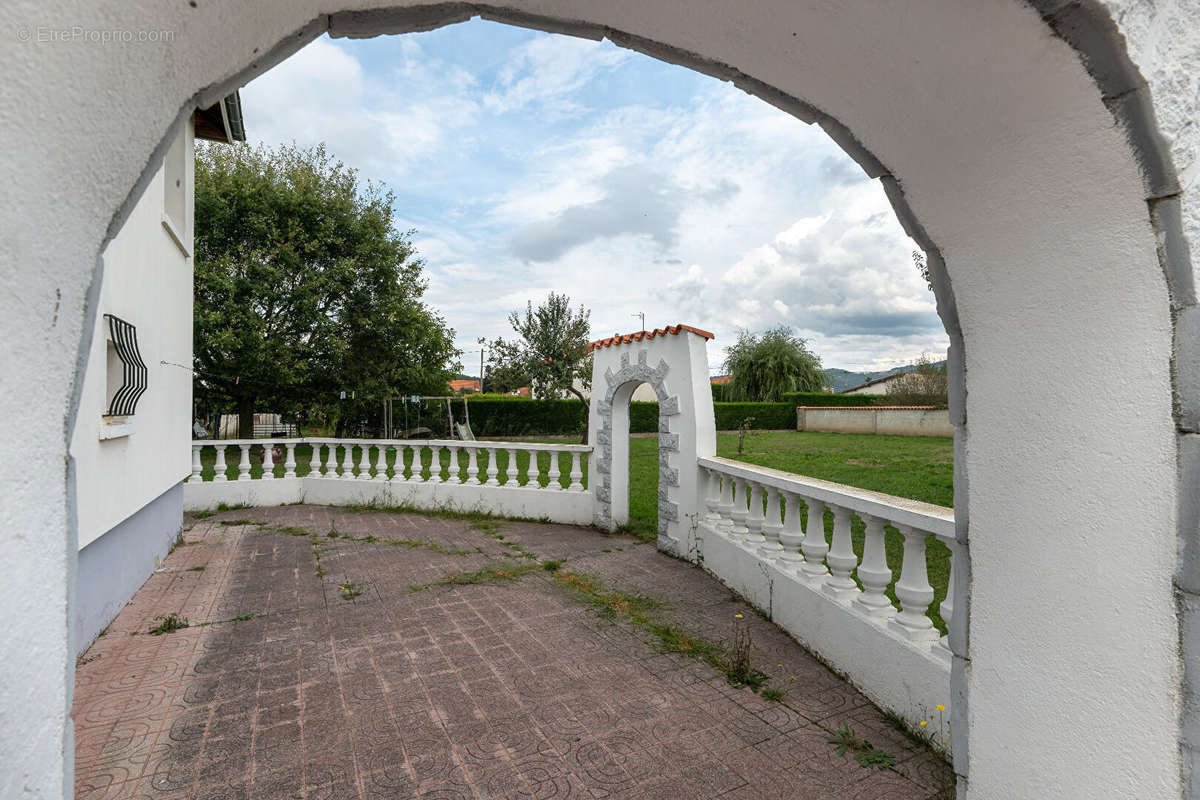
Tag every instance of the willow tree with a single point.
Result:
(763, 368)
(305, 289)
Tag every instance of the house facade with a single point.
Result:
(133, 423)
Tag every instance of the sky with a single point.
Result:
(527, 163)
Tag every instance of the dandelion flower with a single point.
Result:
(923, 723)
(739, 616)
(941, 708)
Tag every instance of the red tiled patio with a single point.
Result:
(492, 690)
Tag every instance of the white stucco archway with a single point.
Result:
(673, 361)
(1024, 140)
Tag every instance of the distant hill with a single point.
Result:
(840, 379)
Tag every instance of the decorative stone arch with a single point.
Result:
(1022, 135)
(672, 360)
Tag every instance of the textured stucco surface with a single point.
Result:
(1006, 154)
(113, 566)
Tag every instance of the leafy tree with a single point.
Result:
(303, 288)
(552, 350)
(506, 370)
(763, 368)
(923, 386)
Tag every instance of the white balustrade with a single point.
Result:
(370, 462)
(510, 474)
(841, 558)
(755, 518)
(493, 468)
(219, 468)
(792, 535)
(712, 496)
(289, 464)
(725, 507)
(874, 572)
(473, 466)
(268, 462)
(772, 526)
(244, 464)
(381, 462)
(815, 547)
(740, 509)
(913, 589)
(946, 608)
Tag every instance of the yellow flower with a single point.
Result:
(739, 616)
(923, 723)
(941, 708)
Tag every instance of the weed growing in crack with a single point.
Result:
(739, 669)
(771, 695)
(232, 506)
(171, 622)
(866, 754)
(491, 574)
(350, 590)
(203, 514)
(197, 568)
(230, 522)
(551, 566)
(242, 618)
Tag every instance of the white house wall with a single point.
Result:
(148, 283)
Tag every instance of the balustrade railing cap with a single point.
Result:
(937, 520)
(482, 444)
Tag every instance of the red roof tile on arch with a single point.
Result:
(627, 338)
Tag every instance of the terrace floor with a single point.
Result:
(516, 687)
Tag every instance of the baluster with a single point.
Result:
(913, 590)
(330, 470)
(576, 473)
(874, 572)
(792, 535)
(947, 606)
(841, 558)
(268, 462)
(454, 471)
(347, 463)
(712, 497)
(289, 463)
(740, 509)
(381, 462)
(772, 526)
(364, 462)
(244, 464)
(533, 471)
(197, 467)
(493, 467)
(553, 474)
(418, 468)
(725, 508)
(510, 474)
(472, 466)
(435, 463)
(219, 467)
(398, 468)
(755, 518)
(814, 546)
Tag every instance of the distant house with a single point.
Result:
(720, 380)
(460, 385)
(878, 386)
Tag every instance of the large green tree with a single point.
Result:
(763, 368)
(551, 350)
(305, 289)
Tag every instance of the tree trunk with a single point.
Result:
(245, 406)
(586, 413)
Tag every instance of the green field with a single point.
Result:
(918, 468)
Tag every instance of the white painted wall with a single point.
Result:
(1005, 152)
(147, 283)
(879, 387)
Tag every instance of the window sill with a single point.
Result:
(117, 428)
(176, 236)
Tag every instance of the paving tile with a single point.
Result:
(506, 692)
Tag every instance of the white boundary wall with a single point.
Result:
(895, 421)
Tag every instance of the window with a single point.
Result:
(126, 372)
(175, 190)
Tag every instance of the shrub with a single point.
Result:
(826, 399)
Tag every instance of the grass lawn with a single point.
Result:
(918, 468)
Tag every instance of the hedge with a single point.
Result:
(513, 416)
(826, 399)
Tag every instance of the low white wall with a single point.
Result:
(901, 676)
(896, 421)
(564, 506)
